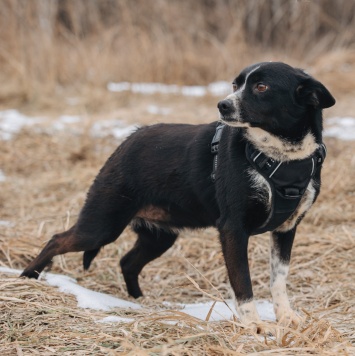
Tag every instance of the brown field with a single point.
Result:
(47, 175)
(47, 178)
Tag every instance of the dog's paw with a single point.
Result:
(261, 328)
(250, 319)
(288, 318)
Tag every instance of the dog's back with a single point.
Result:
(167, 167)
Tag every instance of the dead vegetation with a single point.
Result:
(47, 178)
(50, 47)
(55, 52)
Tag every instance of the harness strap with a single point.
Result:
(288, 180)
(214, 148)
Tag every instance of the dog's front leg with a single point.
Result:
(280, 254)
(235, 251)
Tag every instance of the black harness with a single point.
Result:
(288, 180)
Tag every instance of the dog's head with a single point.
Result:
(275, 97)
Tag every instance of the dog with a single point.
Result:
(263, 174)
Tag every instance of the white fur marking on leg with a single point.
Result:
(279, 272)
(247, 312)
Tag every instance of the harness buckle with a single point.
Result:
(214, 148)
(269, 163)
(216, 138)
(292, 193)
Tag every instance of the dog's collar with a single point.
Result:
(288, 180)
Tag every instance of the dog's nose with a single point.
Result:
(225, 106)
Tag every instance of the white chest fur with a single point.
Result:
(263, 193)
(279, 149)
(261, 188)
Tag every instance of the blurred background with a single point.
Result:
(61, 47)
(77, 76)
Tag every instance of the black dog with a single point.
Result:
(263, 175)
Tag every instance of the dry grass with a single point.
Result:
(47, 47)
(55, 52)
(47, 180)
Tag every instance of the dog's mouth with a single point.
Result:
(227, 118)
(231, 112)
(234, 119)
(234, 122)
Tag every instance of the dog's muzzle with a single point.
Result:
(230, 111)
(226, 107)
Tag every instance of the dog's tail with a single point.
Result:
(88, 257)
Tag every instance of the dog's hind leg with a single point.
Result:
(88, 257)
(74, 240)
(58, 244)
(100, 222)
(151, 243)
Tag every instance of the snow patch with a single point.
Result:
(2, 176)
(195, 90)
(115, 319)
(219, 88)
(157, 110)
(224, 311)
(6, 223)
(12, 122)
(215, 89)
(69, 119)
(10, 270)
(340, 127)
(63, 121)
(87, 298)
(116, 128)
(100, 301)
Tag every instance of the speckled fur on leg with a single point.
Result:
(247, 312)
(280, 249)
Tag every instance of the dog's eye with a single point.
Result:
(235, 86)
(260, 87)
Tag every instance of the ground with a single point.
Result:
(47, 171)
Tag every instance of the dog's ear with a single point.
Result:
(314, 93)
